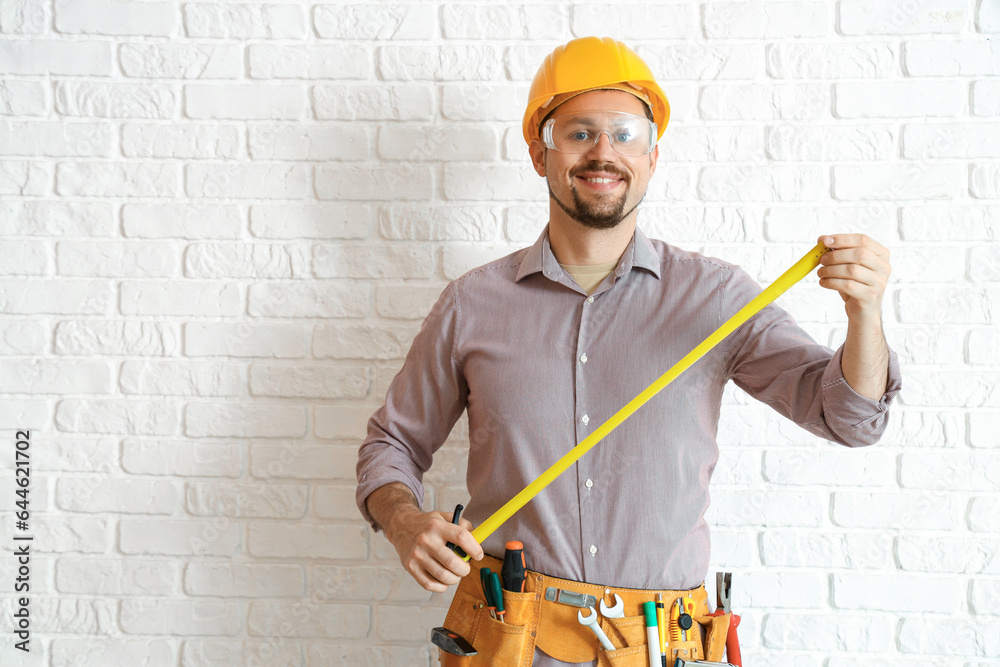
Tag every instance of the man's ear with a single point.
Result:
(537, 152)
(654, 157)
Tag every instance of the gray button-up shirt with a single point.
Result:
(539, 365)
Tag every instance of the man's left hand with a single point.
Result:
(859, 269)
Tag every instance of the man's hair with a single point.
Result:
(645, 107)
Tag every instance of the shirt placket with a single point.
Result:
(587, 485)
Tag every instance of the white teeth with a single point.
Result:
(600, 180)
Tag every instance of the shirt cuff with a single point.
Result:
(859, 420)
(370, 481)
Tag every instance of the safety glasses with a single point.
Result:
(579, 132)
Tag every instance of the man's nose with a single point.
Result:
(603, 146)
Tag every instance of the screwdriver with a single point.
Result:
(512, 571)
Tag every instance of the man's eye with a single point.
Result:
(624, 136)
(579, 135)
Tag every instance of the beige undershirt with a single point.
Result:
(590, 276)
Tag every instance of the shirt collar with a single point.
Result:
(540, 259)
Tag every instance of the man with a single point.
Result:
(542, 346)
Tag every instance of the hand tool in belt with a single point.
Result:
(723, 605)
(797, 272)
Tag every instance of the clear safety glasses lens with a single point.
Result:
(579, 132)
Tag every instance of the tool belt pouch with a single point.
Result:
(555, 628)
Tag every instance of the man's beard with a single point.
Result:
(603, 215)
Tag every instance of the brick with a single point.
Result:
(107, 651)
(116, 416)
(271, 652)
(116, 495)
(492, 183)
(899, 99)
(269, 61)
(335, 502)
(984, 514)
(341, 421)
(23, 338)
(180, 378)
(362, 341)
(485, 101)
(639, 21)
(407, 623)
(315, 381)
(24, 17)
(246, 260)
(77, 534)
(107, 577)
(181, 617)
(117, 179)
(50, 56)
(26, 413)
(405, 301)
(785, 590)
(218, 537)
(406, 181)
(972, 140)
(113, 339)
(246, 102)
(58, 297)
(524, 223)
(959, 555)
(869, 17)
(949, 222)
(852, 60)
(256, 181)
(714, 144)
(927, 429)
(375, 22)
(21, 177)
(399, 142)
(828, 633)
(303, 461)
(988, 17)
(973, 471)
(49, 376)
(437, 223)
(367, 583)
(277, 501)
(269, 619)
(187, 297)
(954, 388)
(106, 17)
(383, 656)
(896, 510)
(24, 258)
(23, 98)
(898, 182)
(831, 142)
(925, 305)
(965, 637)
(701, 62)
(834, 468)
(797, 224)
(778, 183)
(829, 550)
(482, 22)
(984, 266)
(773, 20)
(58, 616)
(778, 508)
(984, 594)
(897, 593)
(279, 341)
(383, 102)
(955, 58)
(188, 221)
(984, 181)
(298, 142)
(300, 540)
(229, 580)
(984, 427)
(115, 100)
(986, 98)
(440, 63)
(181, 61)
(51, 139)
(181, 458)
(310, 221)
(111, 259)
(335, 261)
(244, 21)
(182, 141)
(923, 345)
(50, 218)
(244, 420)
(782, 101)
(328, 298)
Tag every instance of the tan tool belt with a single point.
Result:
(531, 620)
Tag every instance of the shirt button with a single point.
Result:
(583, 358)
(585, 420)
(593, 550)
(589, 483)
(590, 299)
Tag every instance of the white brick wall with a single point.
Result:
(223, 223)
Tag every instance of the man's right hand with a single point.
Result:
(421, 538)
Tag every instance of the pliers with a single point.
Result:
(723, 599)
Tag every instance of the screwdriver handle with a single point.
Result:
(733, 642)
(512, 571)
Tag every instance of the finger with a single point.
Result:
(860, 256)
(850, 288)
(836, 241)
(855, 272)
(461, 537)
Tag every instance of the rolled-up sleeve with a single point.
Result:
(422, 404)
(777, 362)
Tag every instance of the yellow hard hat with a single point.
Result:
(591, 63)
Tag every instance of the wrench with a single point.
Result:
(591, 621)
(618, 611)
